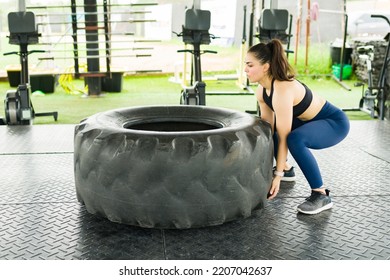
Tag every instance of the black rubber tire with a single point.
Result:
(173, 166)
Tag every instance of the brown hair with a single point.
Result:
(273, 53)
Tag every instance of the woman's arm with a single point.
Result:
(282, 103)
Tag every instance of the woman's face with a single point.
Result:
(255, 71)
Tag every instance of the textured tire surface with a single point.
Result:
(172, 179)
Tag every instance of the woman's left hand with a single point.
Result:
(274, 187)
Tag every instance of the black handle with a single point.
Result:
(190, 51)
(36, 51)
(9, 53)
(177, 34)
(208, 51)
(381, 16)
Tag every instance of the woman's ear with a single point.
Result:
(266, 67)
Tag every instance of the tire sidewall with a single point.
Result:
(173, 179)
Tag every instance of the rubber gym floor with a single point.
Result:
(41, 218)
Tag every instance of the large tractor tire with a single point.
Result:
(173, 166)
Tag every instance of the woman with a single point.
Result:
(300, 121)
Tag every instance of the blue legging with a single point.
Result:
(328, 128)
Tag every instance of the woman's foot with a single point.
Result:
(316, 203)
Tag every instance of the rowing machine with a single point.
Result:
(17, 104)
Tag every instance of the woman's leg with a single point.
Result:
(316, 134)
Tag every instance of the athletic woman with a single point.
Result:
(300, 120)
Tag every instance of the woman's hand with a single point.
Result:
(274, 187)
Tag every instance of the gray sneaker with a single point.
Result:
(316, 203)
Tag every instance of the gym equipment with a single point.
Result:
(367, 102)
(374, 97)
(18, 107)
(95, 38)
(172, 166)
(273, 24)
(195, 31)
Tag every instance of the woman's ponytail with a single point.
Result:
(280, 69)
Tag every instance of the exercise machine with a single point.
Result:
(195, 31)
(367, 101)
(374, 97)
(275, 24)
(17, 104)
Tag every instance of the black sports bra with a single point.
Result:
(298, 109)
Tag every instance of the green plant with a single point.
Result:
(318, 62)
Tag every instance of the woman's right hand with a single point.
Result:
(275, 186)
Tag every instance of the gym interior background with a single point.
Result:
(168, 16)
(41, 218)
